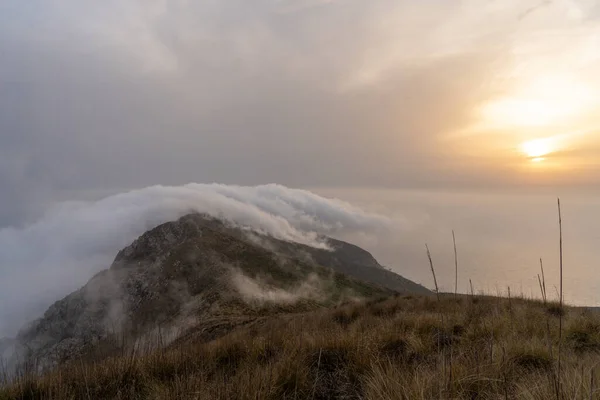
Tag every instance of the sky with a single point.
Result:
(97, 98)
(416, 109)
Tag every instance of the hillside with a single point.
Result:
(400, 347)
(199, 277)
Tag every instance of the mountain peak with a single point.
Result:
(184, 273)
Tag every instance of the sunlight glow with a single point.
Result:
(541, 116)
(520, 112)
(545, 101)
(537, 150)
(538, 147)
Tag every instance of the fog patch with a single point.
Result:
(257, 291)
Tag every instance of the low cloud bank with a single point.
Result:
(57, 254)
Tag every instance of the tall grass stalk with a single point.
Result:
(455, 265)
(441, 354)
(561, 251)
(560, 316)
(317, 375)
(592, 384)
(437, 289)
(510, 308)
(542, 282)
(544, 295)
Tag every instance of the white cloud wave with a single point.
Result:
(57, 254)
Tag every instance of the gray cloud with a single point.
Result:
(128, 94)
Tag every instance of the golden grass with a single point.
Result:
(394, 348)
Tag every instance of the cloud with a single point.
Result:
(58, 253)
(120, 94)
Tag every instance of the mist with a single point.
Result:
(255, 291)
(500, 234)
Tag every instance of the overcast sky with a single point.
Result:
(101, 97)
(418, 112)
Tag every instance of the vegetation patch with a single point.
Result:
(556, 310)
(532, 360)
(395, 349)
(488, 350)
(346, 316)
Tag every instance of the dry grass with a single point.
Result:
(394, 348)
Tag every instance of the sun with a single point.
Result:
(538, 148)
(547, 109)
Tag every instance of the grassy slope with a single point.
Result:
(394, 348)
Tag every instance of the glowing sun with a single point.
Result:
(537, 148)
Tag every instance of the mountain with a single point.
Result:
(353, 261)
(200, 277)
